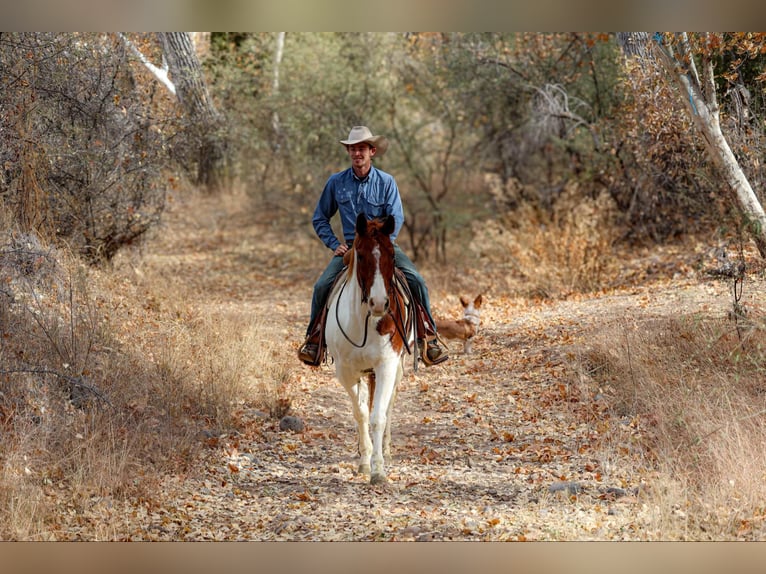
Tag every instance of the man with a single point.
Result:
(363, 188)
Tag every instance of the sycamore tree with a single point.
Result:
(690, 61)
(181, 73)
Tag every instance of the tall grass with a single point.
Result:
(697, 392)
(107, 381)
(556, 251)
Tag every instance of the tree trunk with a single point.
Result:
(201, 41)
(206, 124)
(635, 44)
(275, 123)
(702, 103)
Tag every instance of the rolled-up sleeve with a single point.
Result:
(325, 209)
(395, 202)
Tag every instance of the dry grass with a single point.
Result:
(218, 360)
(695, 393)
(558, 251)
(107, 381)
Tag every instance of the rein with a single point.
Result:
(337, 320)
(400, 327)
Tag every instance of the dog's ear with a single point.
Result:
(464, 301)
(477, 301)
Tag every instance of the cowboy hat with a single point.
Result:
(359, 134)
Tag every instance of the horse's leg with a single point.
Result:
(385, 378)
(357, 391)
(387, 433)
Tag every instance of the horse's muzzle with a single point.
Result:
(378, 306)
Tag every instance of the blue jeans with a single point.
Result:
(414, 279)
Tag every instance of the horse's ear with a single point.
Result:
(389, 225)
(361, 224)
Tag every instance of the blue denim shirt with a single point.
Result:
(377, 195)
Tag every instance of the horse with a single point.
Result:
(369, 328)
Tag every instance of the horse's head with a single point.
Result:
(375, 261)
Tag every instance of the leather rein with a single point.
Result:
(400, 326)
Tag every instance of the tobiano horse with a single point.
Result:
(369, 330)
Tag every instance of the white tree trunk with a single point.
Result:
(702, 103)
(275, 124)
(160, 73)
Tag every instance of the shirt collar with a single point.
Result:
(360, 179)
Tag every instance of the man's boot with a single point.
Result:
(312, 350)
(431, 352)
(309, 351)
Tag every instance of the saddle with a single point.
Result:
(416, 313)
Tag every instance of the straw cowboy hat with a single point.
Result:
(359, 134)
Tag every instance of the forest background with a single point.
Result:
(555, 157)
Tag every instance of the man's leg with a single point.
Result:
(309, 351)
(432, 352)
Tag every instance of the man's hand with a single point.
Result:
(341, 249)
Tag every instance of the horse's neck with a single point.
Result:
(350, 298)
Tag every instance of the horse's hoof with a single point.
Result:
(363, 469)
(378, 479)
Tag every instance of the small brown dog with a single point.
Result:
(465, 328)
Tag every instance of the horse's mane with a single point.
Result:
(347, 256)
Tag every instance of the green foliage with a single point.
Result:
(88, 132)
(237, 69)
(286, 138)
(537, 111)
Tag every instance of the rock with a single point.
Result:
(426, 537)
(561, 486)
(615, 492)
(291, 423)
(410, 531)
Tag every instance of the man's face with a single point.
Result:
(361, 155)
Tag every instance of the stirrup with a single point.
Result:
(310, 354)
(437, 345)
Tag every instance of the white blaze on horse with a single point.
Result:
(368, 331)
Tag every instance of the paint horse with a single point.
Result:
(368, 331)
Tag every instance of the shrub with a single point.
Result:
(82, 148)
(558, 251)
(693, 391)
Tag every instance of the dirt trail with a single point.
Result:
(496, 445)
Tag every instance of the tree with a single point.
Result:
(677, 54)
(434, 142)
(205, 121)
(280, 46)
(181, 73)
(80, 142)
